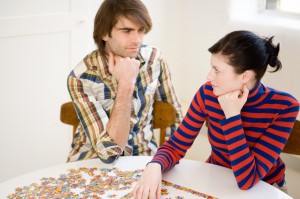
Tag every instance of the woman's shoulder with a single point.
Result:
(283, 96)
(205, 91)
(206, 88)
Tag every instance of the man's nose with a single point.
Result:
(137, 37)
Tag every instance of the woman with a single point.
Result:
(249, 123)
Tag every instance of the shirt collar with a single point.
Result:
(141, 59)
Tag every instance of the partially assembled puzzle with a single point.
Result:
(95, 183)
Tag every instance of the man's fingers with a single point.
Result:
(111, 62)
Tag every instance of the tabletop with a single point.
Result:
(191, 176)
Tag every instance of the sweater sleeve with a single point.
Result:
(250, 165)
(175, 148)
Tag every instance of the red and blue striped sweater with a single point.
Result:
(249, 143)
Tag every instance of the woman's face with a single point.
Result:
(222, 76)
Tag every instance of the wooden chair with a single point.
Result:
(68, 115)
(293, 144)
(164, 115)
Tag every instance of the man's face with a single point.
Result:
(126, 38)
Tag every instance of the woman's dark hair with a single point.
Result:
(247, 51)
(110, 12)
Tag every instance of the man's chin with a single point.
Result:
(135, 55)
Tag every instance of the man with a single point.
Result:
(113, 89)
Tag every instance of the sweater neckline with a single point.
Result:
(257, 95)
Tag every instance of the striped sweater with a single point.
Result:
(249, 143)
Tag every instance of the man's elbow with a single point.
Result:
(110, 159)
(110, 154)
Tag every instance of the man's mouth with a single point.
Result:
(133, 48)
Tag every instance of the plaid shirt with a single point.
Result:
(93, 91)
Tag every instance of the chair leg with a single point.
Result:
(74, 130)
(162, 136)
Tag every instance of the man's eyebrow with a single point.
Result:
(125, 28)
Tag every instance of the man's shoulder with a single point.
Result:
(92, 57)
(91, 62)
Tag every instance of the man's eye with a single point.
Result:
(126, 31)
(143, 30)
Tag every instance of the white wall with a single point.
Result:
(186, 30)
(191, 27)
(39, 43)
(183, 30)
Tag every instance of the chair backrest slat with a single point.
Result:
(293, 143)
(164, 115)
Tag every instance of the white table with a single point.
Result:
(203, 177)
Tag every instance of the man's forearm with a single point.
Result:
(119, 123)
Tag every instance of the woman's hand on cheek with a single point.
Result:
(233, 102)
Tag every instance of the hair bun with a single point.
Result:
(273, 51)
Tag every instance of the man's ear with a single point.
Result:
(105, 37)
(247, 76)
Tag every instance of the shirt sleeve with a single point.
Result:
(93, 118)
(251, 165)
(166, 93)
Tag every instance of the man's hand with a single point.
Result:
(233, 102)
(125, 70)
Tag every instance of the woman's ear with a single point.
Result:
(247, 76)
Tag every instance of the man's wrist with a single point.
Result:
(128, 86)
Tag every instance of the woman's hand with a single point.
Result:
(233, 102)
(149, 185)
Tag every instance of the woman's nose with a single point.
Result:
(209, 76)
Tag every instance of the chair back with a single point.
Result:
(164, 115)
(68, 115)
(293, 143)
